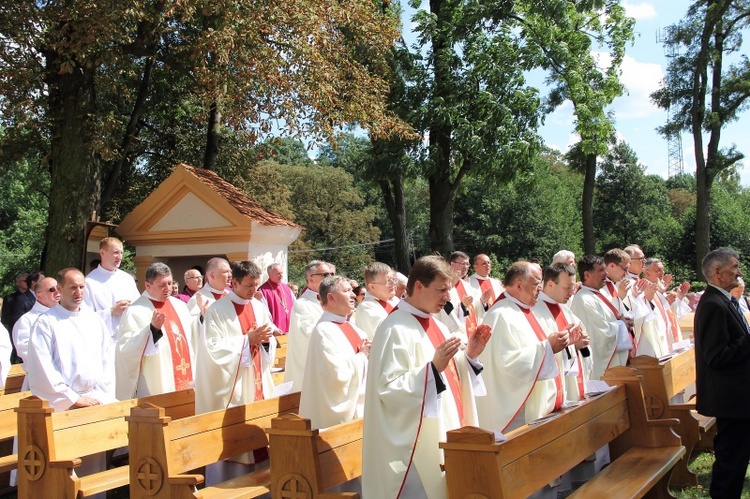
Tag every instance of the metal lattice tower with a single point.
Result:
(675, 163)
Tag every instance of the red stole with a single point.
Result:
(182, 371)
(246, 315)
(539, 332)
(562, 323)
(451, 372)
(387, 306)
(607, 302)
(216, 295)
(354, 340)
(471, 319)
(668, 318)
(486, 285)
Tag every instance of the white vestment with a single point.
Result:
(105, 288)
(572, 363)
(404, 414)
(333, 389)
(142, 367)
(208, 293)
(370, 313)
(476, 282)
(519, 370)
(5, 350)
(224, 374)
(455, 321)
(603, 328)
(305, 314)
(71, 354)
(22, 329)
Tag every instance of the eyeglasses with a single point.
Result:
(198, 277)
(388, 282)
(626, 269)
(324, 274)
(52, 289)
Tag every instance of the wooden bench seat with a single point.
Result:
(661, 382)
(8, 431)
(305, 463)
(51, 444)
(643, 451)
(164, 452)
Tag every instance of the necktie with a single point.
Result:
(736, 304)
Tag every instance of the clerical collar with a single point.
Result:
(111, 272)
(726, 293)
(481, 278)
(610, 280)
(632, 276)
(311, 295)
(67, 313)
(545, 298)
(408, 307)
(514, 300)
(214, 290)
(593, 290)
(331, 317)
(148, 295)
(236, 299)
(38, 307)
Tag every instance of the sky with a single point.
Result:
(636, 117)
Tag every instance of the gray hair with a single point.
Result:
(562, 256)
(330, 284)
(214, 263)
(155, 270)
(719, 257)
(651, 261)
(517, 271)
(268, 269)
(310, 267)
(631, 249)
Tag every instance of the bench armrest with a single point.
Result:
(8, 463)
(194, 480)
(65, 463)
(689, 406)
(666, 422)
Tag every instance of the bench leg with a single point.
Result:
(661, 489)
(682, 477)
(706, 442)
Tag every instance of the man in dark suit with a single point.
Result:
(722, 363)
(18, 303)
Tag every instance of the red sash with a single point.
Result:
(216, 295)
(668, 318)
(246, 315)
(486, 285)
(562, 323)
(387, 306)
(451, 372)
(612, 289)
(181, 369)
(539, 332)
(354, 340)
(607, 303)
(471, 319)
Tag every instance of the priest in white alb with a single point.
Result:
(420, 385)
(333, 389)
(71, 357)
(524, 380)
(483, 282)
(110, 290)
(47, 296)
(610, 339)
(232, 368)
(305, 314)
(154, 349)
(465, 310)
(218, 279)
(380, 297)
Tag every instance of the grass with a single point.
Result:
(701, 465)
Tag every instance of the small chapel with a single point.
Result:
(195, 215)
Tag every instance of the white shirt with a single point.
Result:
(104, 288)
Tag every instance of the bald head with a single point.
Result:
(46, 292)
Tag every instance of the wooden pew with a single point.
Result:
(643, 451)
(280, 359)
(51, 444)
(687, 325)
(305, 462)
(163, 450)
(661, 381)
(8, 430)
(14, 382)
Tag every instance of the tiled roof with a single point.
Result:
(238, 199)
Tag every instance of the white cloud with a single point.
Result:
(640, 80)
(640, 11)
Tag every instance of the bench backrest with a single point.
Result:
(161, 446)
(535, 455)
(14, 381)
(280, 359)
(8, 417)
(661, 380)
(309, 462)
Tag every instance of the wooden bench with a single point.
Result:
(8, 431)
(661, 382)
(14, 381)
(51, 444)
(305, 462)
(163, 451)
(643, 452)
(687, 325)
(281, 342)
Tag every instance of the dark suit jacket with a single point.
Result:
(15, 305)
(722, 358)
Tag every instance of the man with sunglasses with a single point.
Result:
(380, 298)
(47, 296)
(305, 314)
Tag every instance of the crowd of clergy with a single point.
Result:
(415, 357)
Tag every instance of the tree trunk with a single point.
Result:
(587, 206)
(212, 137)
(74, 165)
(393, 196)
